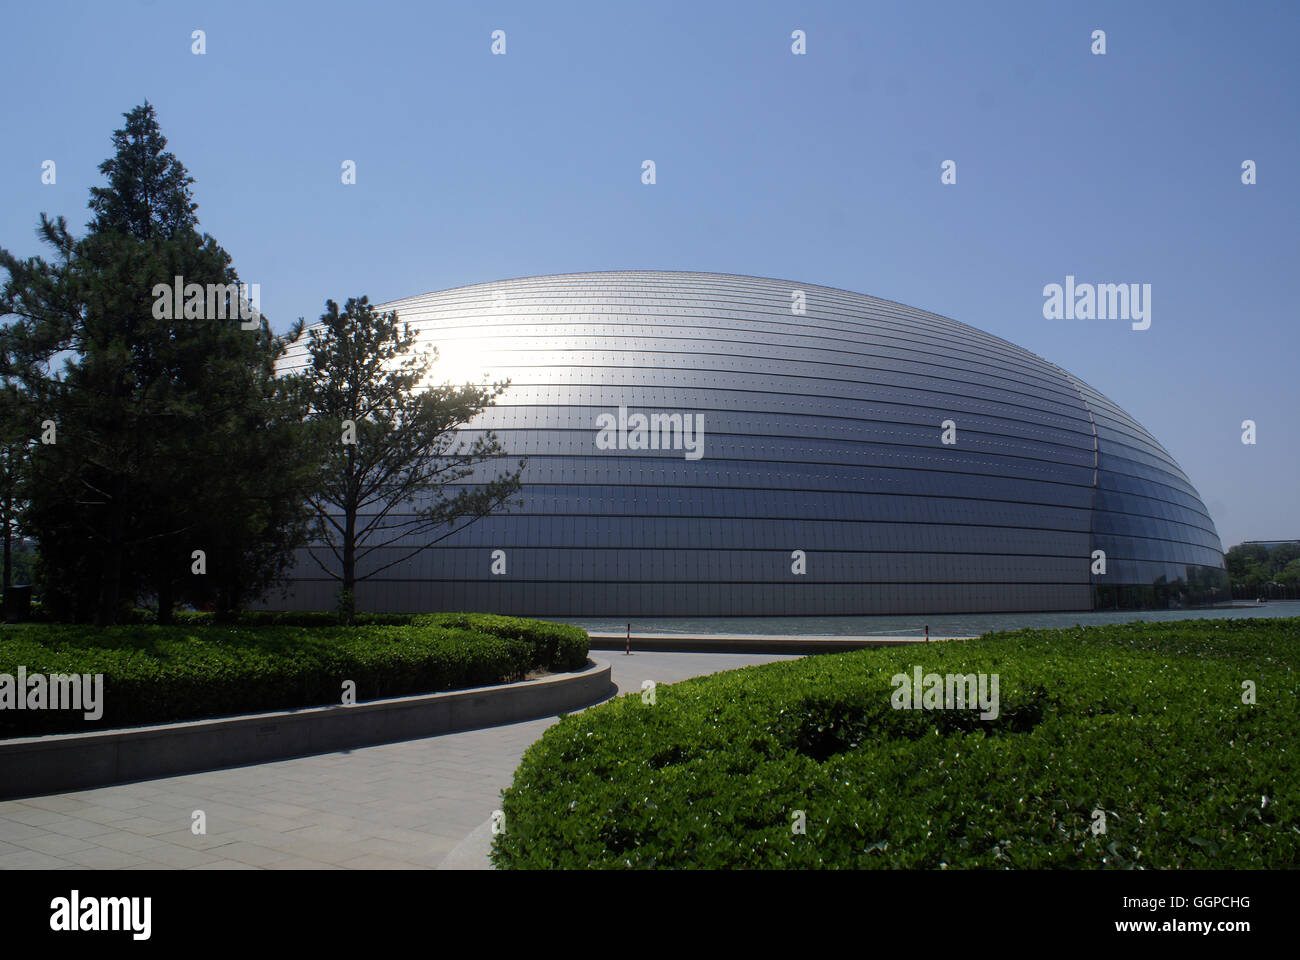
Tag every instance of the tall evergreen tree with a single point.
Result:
(172, 433)
(148, 193)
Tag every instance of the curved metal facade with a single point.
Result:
(822, 433)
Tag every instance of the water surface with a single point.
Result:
(950, 624)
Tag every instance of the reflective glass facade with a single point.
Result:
(822, 433)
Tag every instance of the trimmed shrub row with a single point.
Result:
(556, 646)
(1143, 724)
(156, 674)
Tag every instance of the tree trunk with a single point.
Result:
(348, 596)
(166, 599)
(110, 587)
(110, 581)
(7, 512)
(8, 575)
(228, 601)
(9, 535)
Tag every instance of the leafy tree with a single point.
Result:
(1281, 556)
(24, 562)
(1290, 574)
(396, 467)
(173, 434)
(1255, 565)
(1243, 561)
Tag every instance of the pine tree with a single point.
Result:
(148, 192)
(163, 418)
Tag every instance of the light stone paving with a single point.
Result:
(410, 805)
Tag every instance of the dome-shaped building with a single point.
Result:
(706, 445)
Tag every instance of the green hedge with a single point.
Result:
(280, 618)
(1143, 721)
(155, 674)
(556, 646)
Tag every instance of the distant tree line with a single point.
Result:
(1257, 570)
(148, 446)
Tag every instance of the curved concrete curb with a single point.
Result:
(473, 852)
(31, 766)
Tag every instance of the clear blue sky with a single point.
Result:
(823, 168)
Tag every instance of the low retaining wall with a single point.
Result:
(30, 766)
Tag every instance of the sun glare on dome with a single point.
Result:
(460, 361)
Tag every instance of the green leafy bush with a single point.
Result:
(282, 618)
(1141, 723)
(155, 674)
(556, 646)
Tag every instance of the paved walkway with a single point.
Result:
(417, 804)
